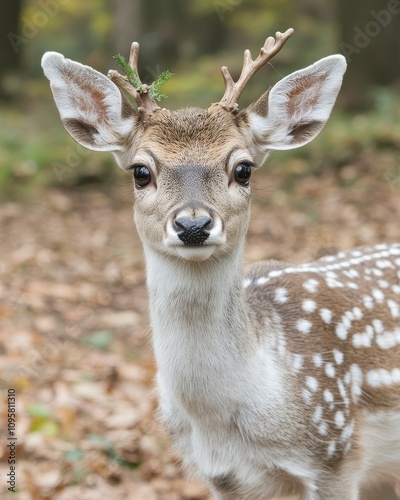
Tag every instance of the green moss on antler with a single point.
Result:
(131, 74)
(155, 86)
(134, 80)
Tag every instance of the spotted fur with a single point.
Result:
(341, 340)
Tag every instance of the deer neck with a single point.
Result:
(201, 332)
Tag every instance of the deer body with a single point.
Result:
(278, 380)
(292, 374)
(217, 377)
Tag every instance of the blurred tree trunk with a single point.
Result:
(369, 38)
(9, 33)
(167, 31)
(127, 24)
(174, 31)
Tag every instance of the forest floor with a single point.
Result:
(75, 340)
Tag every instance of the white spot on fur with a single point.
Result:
(281, 295)
(339, 419)
(338, 355)
(342, 391)
(326, 315)
(378, 326)
(348, 431)
(347, 318)
(351, 273)
(317, 358)
(312, 383)
(378, 295)
(396, 289)
(329, 258)
(303, 326)
(333, 283)
(323, 429)
(262, 280)
(309, 305)
(384, 263)
(330, 370)
(331, 449)
(341, 331)
(368, 302)
(317, 416)
(298, 362)
(328, 396)
(357, 313)
(394, 308)
(275, 273)
(311, 285)
(382, 377)
(388, 340)
(363, 339)
(246, 283)
(356, 380)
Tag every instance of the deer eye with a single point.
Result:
(242, 174)
(141, 175)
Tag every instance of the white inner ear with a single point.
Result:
(299, 106)
(90, 104)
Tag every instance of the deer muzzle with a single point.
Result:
(193, 231)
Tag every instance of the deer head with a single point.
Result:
(192, 167)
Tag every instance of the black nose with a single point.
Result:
(193, 231)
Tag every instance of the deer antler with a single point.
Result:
(234, 89)
(140, 91)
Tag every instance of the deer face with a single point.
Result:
(191, 168)
(191, 175)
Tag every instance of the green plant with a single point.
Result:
(134, 80)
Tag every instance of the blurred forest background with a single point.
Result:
(193, 40)
(74, 333)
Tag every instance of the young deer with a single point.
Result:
(280, 380)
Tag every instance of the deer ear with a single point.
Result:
(296, 109)
(91, 106)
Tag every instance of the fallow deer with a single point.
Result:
(277, 379)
